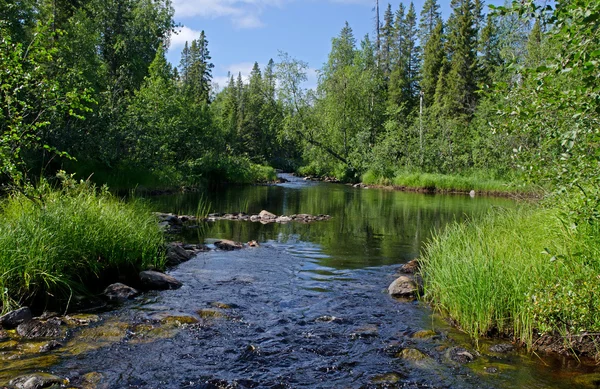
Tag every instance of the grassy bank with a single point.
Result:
(521, 272)
(62, 245)
(478, 182)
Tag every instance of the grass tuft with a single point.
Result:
(516, 271)
(63, 245)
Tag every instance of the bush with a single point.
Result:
(65, 243)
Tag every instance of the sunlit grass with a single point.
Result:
(63, 244)
(516, 271)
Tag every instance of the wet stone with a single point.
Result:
(424, 334)
(14, 318)
(460, 355)
(39, 329)
(228, 245)
(502, 348)
(52, 345)
(411, 354)
(154, 280)
(410, 267)
(119, 293)
(491, 370)
(36, 381)
(177, 254)
(403, 286)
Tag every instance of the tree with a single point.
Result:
(433, 60)
(430, 17)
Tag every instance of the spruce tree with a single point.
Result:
(433, 60)
(430, 16)
(388, 34)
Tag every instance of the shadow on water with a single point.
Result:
(307, 309)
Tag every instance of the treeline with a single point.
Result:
(86, 88)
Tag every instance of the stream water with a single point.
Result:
(307, 309)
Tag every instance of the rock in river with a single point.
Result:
(119, 293)
(14, 318)
(36, 381)
(228, 245)
(403, 286)
(177, 254)
(266, 215)
(154, 280)
(39, 329)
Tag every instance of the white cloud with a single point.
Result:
(182, 35)
(241, 13)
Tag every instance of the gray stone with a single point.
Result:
(267, 215)
(176, 254)
(502, 348)
(52, 345)
(228, 245)
(403, 286)
(14, 318)
(40, 329)
(153, 280)
(120, 293)
(283, 219)
(36, 381)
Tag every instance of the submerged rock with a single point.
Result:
(39, 329)
(403, 286)
(14, 318)
(459, 355)
(502, 348)
(36, 381)
(153, 280)
(120, 293)
(424, 334)
(52, 345)
(228, 245)
(411, 354)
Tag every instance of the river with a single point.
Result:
(307, 309)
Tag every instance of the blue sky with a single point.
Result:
(241, 32)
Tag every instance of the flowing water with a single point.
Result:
(307, 309)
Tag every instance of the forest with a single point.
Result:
(494, 99)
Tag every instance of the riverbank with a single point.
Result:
(450, 184)
(70, 242)
(524, 274)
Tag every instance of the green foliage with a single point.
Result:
(65, 244)
(517, 272)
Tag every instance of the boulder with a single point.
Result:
(228, 245)
(119, 293)
(176, 254)
(253, 243)
(14, 318)
(403, 286)
(36, 381)
(267, 215)
(40, 329)
(153, 280)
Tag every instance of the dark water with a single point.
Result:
(308, 309)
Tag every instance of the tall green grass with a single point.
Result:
(516, 271)
(444, 183)
(64, 244)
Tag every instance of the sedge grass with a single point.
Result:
(518, 272)
(444, 183)
(65, 244)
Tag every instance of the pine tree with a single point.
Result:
(184, 64)
(430, 16)
(489, 59)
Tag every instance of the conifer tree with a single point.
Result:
(430, 16)
(433, 60)
(388, 35)
(534, 46)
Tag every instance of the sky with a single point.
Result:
(241, 32)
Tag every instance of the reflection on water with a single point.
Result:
(307, 309)
(369, 227)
